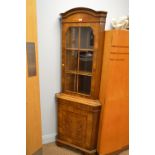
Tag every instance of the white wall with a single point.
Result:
(49, 50)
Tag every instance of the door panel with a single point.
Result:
(33, 116)
(114, 93)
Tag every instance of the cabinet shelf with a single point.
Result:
(83, 94)
(78, 72)
(79, 49)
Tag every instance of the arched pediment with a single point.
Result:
(82, 14)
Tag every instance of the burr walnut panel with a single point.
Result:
(73, 127)
(77, 122)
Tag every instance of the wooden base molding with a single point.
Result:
(85, 151)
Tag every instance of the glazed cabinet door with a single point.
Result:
(78, 59)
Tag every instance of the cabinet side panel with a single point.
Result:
(99, 59)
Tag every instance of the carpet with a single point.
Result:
(53, 149)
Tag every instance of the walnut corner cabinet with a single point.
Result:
(78, 102)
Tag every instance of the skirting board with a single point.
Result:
(48, 138)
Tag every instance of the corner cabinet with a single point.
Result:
(78, 104)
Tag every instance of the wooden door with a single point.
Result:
(114, 93)
(33, 116)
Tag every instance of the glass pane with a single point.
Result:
(71, 82)
(84, 84)
(85, 62)
(87, 38)
(72, 37)
(71, 60)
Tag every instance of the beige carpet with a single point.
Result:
(52, 149)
